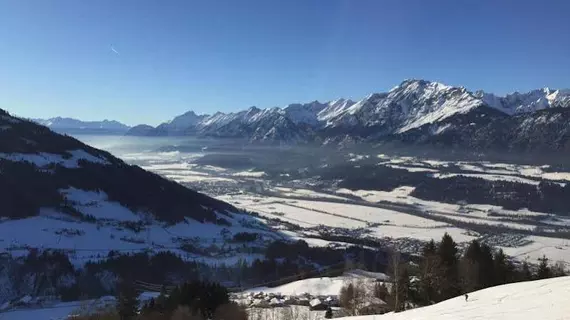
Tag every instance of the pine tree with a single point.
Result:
(428, 278)
(127, 302)
(543, 271)
(486, 267)
(504, 269)
(525, 274)
(469, 267)
(329, 313)
(448, 272)
(160, 303)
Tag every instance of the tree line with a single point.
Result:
(441, 273)
(194, 300)
(444, 273)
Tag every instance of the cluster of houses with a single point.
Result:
(274, 300)
(371, 305)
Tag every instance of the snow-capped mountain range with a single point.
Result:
(71, 124)
(414, 106)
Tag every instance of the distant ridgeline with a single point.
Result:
(416, 112)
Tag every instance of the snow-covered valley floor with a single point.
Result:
(390, 216)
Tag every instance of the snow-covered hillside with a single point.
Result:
(59, 193)
(542, 299)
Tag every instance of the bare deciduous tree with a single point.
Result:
(353, 296)
(400, 281)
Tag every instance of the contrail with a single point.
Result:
(113, 49)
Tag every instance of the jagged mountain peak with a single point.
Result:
(525, 102)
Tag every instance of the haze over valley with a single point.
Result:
(293, 160)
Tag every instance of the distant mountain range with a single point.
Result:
(70, 125)
(414, 112)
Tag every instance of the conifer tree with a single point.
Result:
(448, 272)
(543, 271)
(127, 302)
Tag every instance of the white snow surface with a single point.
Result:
(490, 177)
(43, 159)
(84, 241)
(516, 103)
(324, 286)
(541, 299)
(253, 174)
(97, 204)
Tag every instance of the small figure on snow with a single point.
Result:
(466, 297)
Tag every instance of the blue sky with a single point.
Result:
(56, 57)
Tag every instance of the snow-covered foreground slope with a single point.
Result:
(543, 299)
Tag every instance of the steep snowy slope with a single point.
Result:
(258, 125)
(409, 105)
(517, 103)
(304, 113)
(486, 128)
(543, 299)
(181, 123)
(333, 109)
(61, 196)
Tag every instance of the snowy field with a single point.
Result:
(86, 240)
(383, 223)
(531, 174)
(542, 299)
(323, 286)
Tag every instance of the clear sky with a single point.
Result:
(142, 61)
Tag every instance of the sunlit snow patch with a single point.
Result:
(97, 204)
(43, 159)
